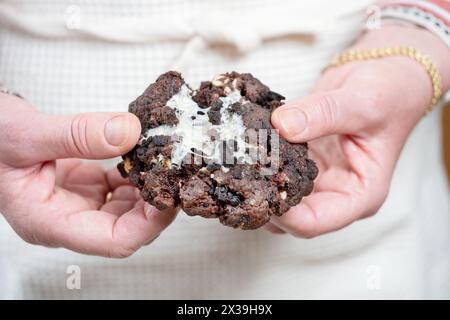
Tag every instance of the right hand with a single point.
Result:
(51, 198)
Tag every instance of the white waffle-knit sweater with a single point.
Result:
(118, 49)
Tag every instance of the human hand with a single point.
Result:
(62, 203)
(357, 120)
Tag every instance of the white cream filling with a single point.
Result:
(192, 134)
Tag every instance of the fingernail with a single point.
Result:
(292, 121)
(116, 130)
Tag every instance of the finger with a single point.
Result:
(273, 228)
(118, 207)
(151, 241)
(334, 208)
(125, 192)
(105, 234)
(84, 178)
(318, 115)
(115, 179)
(340, 197)
(86, 135)
(63, 167)
(319, 213)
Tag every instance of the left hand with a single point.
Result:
(357, 120)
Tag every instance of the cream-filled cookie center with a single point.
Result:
(193, 132)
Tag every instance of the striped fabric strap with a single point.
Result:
(5, 90)
(438, 8)
(433, 15)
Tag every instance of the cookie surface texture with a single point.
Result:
(214, 153)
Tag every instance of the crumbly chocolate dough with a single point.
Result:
(173, 166)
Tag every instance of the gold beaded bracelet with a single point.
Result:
(424, 60)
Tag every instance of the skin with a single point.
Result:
(51, 198)
(357, 120)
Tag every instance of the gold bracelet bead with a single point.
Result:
(437, 90)
(433, 102)
(376, 53)
(410, 51)
(418, 56)
(334, 62)
(427, 64)
(437, 76)
(351, 53)
(380, 52)
(373, 54)
(344, 59)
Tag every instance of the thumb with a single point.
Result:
(85, 135)
(317, 115)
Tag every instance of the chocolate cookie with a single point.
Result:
(214, 152)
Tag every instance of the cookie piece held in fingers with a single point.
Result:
(214, 153)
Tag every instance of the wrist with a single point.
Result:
(394, 33)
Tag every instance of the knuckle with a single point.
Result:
(327, 109)
(30, 239)
(23, 225)
(123, 244)
(38, 231)
(13, 138)
(29, 236)
(77, 138)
